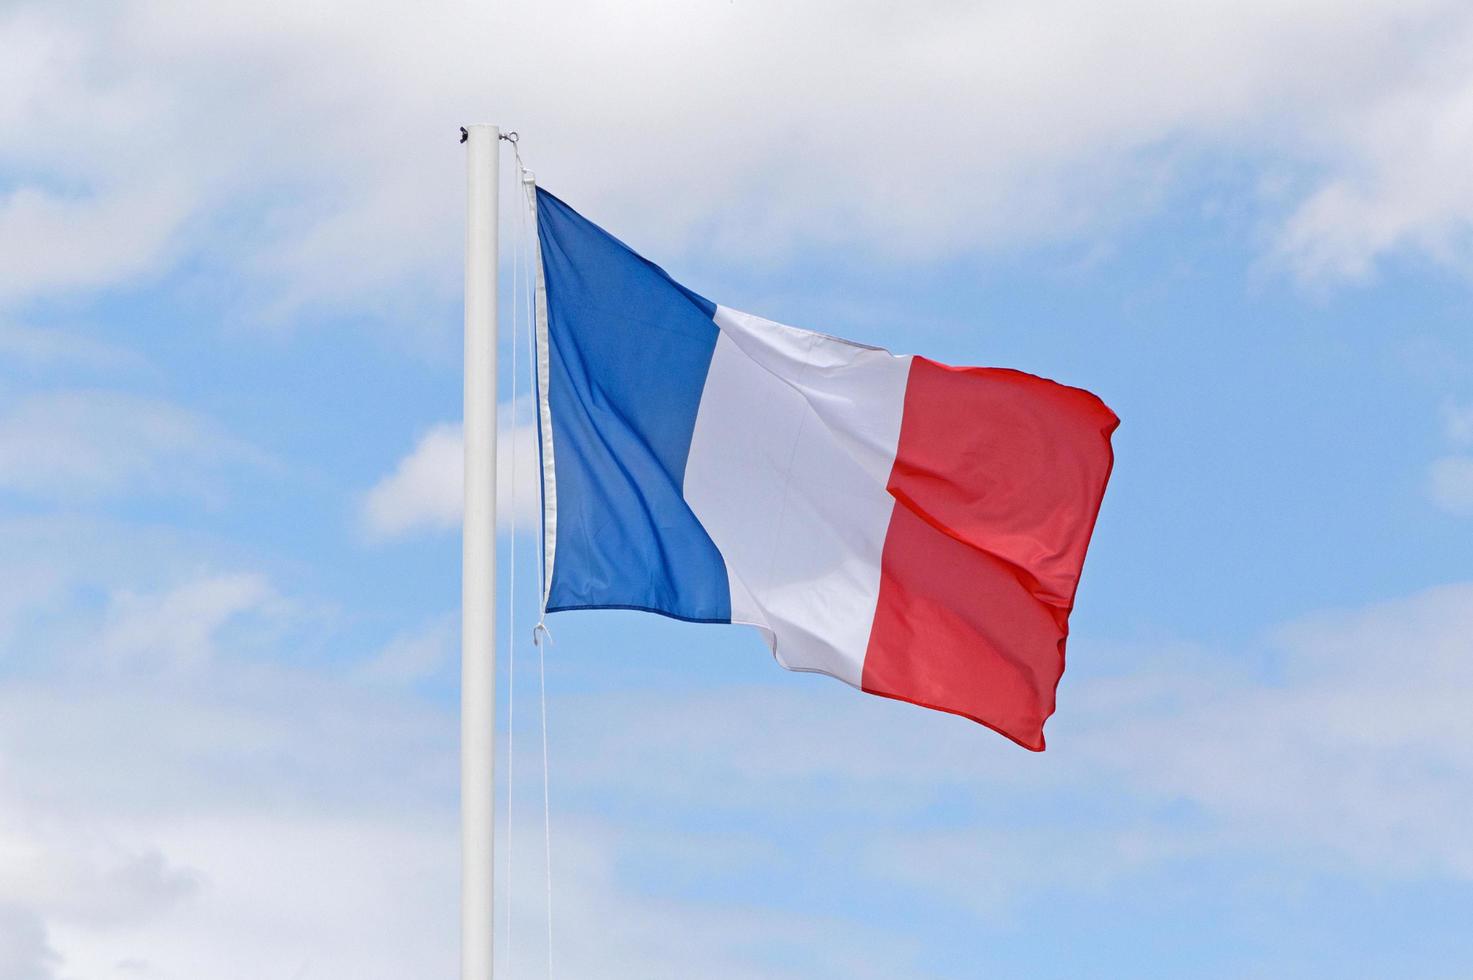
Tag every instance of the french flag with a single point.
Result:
(913, 529)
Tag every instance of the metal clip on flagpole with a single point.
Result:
(478, 561)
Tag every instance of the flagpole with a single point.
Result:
(478, 561)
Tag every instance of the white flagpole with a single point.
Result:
(478, 562)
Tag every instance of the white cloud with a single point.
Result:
(290, 895)
(1457, 421)
(175, 630)
(87, 880)
(1409, 188)
(1450, 478)
(24, 951)
(88, 443)
(1361, 755)
(323, 136)
(106, 238)
(51, 347)
(1356, 757)
(993, 872)
(271, 817)
(206, 812)
(1450, 482)
(413, 656)
(426, 491)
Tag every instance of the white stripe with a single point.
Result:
(544, 410)
(793, 445)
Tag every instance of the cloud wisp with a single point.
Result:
(1450, 477)
(426, 490)
(92, 443)
(1356, 758)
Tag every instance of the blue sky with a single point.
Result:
(229, 579)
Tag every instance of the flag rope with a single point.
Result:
(518, 258)
(523, 318)
(541, 637)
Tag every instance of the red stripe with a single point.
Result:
(998, 479)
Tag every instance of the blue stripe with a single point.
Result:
(630, 349)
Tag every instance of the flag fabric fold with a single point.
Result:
(913, 529)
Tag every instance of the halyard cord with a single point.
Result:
(546, 800)
(540, 635)
(527, 262)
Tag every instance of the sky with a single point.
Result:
(230, 328)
